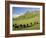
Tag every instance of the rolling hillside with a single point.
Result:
(27, 18)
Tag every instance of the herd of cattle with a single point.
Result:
(23, 25)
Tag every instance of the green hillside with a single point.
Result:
(27, 18)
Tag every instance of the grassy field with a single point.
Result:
(28, 18)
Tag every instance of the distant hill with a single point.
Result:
(27, 15)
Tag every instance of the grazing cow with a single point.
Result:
(16, 26)
(20, 25)
(29, 25)
(24, 25)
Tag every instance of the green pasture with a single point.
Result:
(27, 19)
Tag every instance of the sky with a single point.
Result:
(17, 11)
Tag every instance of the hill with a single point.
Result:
(27, 18)
(27, 15)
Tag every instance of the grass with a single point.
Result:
(34, 27)
(27, 19)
